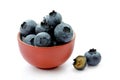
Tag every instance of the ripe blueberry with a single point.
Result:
(29, 39)
(63, 33)
(42, 39)
(27, 27)
(54, 18)
(93, 57)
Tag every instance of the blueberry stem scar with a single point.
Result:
(66, 29)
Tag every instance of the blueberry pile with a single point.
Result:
(52, 31)
(91, 57)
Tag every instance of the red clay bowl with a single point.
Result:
(45, 57)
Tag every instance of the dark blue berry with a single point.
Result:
(63, 33)
(28, 27)
(29, 39)
(54, 18)
(93, 57)
(42, 39)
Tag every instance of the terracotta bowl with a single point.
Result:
(45, 57)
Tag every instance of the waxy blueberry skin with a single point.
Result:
(53, 19)
(42, 39)
(29, 39)
(28, 27)
(93, 57)
(63, 32)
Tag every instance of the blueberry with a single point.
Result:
(43, 27)
(80, 62)
(29, 39)
(42, 39)
(54, 18)
(93, 57)
(27, 27)
(63, 33)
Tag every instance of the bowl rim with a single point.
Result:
(19, 40)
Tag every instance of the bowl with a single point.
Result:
(46, 57)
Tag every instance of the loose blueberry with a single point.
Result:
(29, 39)
(28, 27)
(80, 62)
(63, 33)
(93, 57)
(42, 39)
(54, 18)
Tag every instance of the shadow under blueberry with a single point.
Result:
(93, 67)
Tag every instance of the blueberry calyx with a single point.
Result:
(66, 29)
(43, 23)
(52, 13)
(92, 51)
(23, 25)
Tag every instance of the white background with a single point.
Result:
(95, 22)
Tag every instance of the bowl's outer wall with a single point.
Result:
(45, 57)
